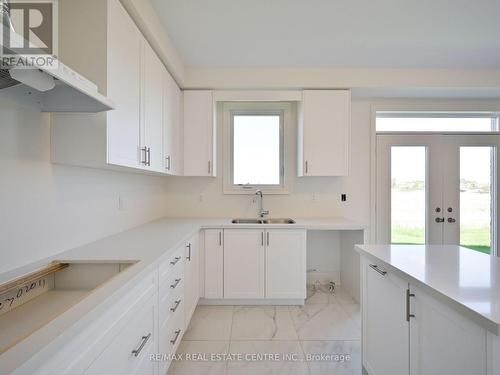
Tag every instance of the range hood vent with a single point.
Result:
(58, 89)
(6, 80)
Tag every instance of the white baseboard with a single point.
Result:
(249, 302)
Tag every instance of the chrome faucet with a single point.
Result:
(262, 212)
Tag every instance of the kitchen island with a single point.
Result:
(429, 309)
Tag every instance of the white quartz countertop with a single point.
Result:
(465, 279)
(148, 244)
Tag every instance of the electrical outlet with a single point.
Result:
(343, 197)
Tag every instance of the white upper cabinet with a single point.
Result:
(324, 133)
(152, 108)
(124, 50)
(172, 126)
(128, 70)
(199, 133)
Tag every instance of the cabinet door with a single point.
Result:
(172, 130)
(124, 88)
(129, 352)
(214, 263)
(152, 129)
(385, 329)
(244, 263)
(443, 342)
(192, 291)
(324, 133)
(199, 133)
(285, 263)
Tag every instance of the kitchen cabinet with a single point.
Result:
(285, 263)
(172, 126)
(244, 258)
(442, 341)
(129, 352)
(324, 133)
(192, 276)
(385, 329)
(263, 263)
(130, 73)
(214, 263)
(172, 305)
(199, 133)
(152, 126)
(408, 331)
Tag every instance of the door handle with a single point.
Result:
(408, 314)
(267, 238)
(174, 262)
(451, 220)
(439, 220)
(307, 167)
(176, 305)
(168, 163)
(174, 285)
(262, 239)
(145, 160)
(375, 267)
(220, 238)
(177, 333)
(145, 339)
(189, 252)
(149, 156)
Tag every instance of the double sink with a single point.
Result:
(263, 221)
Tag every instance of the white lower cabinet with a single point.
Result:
(129, 352)
(244, 258)
(442, 341)
(285, 263)
(214, 263)
(255, 263)
(192, 272)
(172, 306)
(407, 331)
(385, 329)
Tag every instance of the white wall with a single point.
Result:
(46, 208)
(309, 197)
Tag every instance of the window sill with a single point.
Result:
(252, 190)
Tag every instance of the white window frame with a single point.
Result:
(229, 110)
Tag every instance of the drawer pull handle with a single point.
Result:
(145, 339)
(177, 281)
(177, 303)
(177, 333)
(174, 262)
(375, 267)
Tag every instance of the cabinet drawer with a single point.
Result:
(128, 350)
(170, 302)
(173, 263)
(171, 332)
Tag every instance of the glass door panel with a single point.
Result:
(408, 194)
(476, 199)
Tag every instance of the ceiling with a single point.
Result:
(334, 33)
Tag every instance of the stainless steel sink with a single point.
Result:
(263, 221)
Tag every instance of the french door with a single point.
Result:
(438, 189)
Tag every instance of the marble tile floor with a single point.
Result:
(322, 337)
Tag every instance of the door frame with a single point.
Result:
(415, 105)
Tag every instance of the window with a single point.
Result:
(442, 122)
(255, 145)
